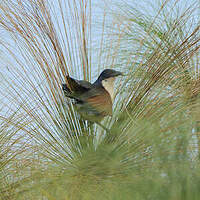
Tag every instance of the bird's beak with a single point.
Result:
(118, 73)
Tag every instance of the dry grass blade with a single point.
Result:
(42, 61)
(152, 128)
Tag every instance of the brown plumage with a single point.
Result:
(92, 101)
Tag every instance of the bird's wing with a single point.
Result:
(74, 88)
(85, 84)
(99, 100)
(96, 99)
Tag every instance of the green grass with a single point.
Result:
(150, 147)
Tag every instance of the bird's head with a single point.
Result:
(106, 79)
(106, 75)
(109, 73)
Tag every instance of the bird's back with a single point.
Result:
(93, 102)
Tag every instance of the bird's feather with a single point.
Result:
(99, 99)
(92, 101)
(102, 104)
(85, 84)
(74, 88)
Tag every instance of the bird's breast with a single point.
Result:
(109, 87)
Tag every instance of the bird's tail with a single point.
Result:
(69, 87)
(73, 88)
(67, 91)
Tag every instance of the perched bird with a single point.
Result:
(92, 101)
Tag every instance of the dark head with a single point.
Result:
(106, 74)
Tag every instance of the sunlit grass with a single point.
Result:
(149, 148)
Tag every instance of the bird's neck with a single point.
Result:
(108, 85)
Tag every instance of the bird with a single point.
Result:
(93, 101)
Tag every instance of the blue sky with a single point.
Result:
(99, 9)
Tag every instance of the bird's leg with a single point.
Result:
(86, 127)
(102, 126)
(90, 127)
(82, 125)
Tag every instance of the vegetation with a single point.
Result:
(149, 148)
